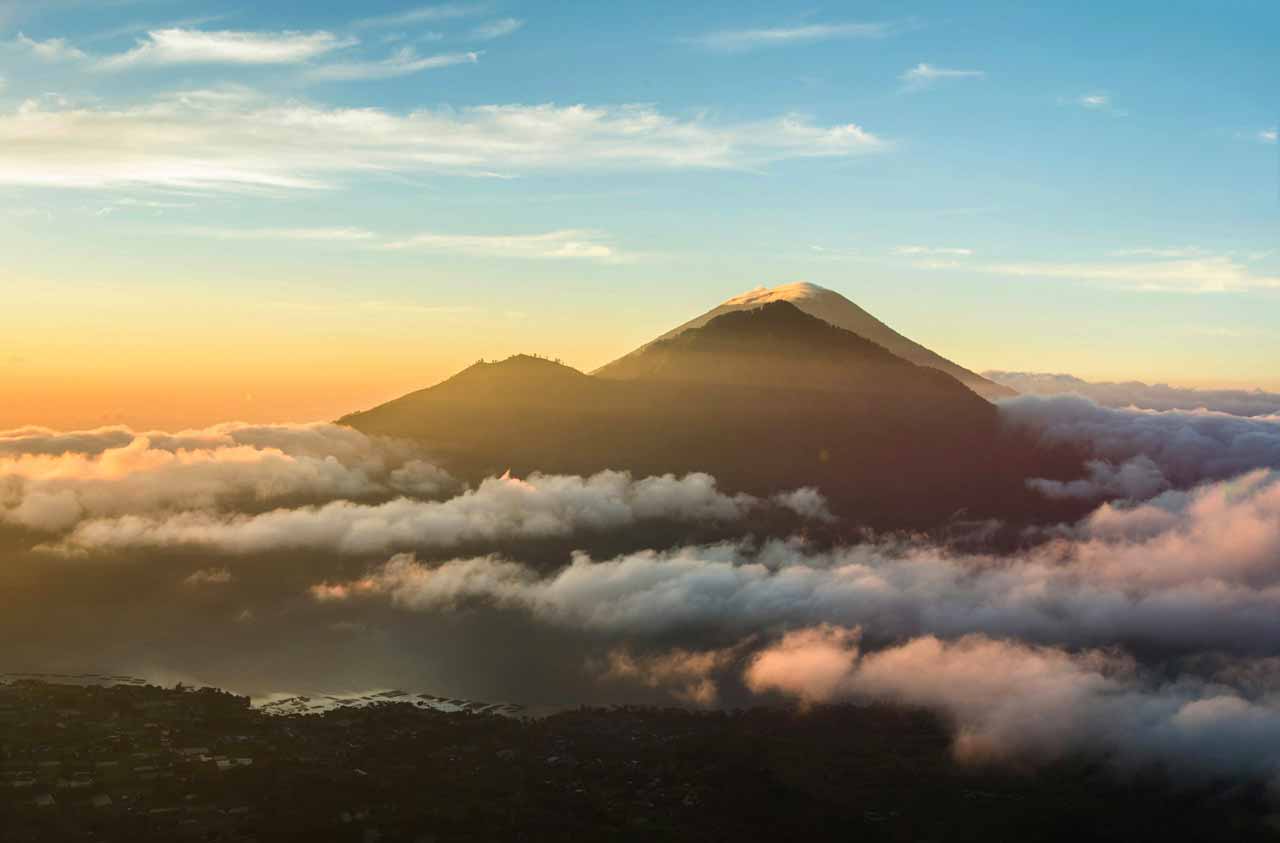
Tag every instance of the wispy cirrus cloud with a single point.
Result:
(498, 28)
(194, 46)
(402, 62)
(135, 27)
(951, 251)
(924, 75)
(340, 234)
(565, 243)
(1168, 271)
(1096, 101)
(423, 14)
(237, 139)
(1214, 274)
(733, 40)
(1268, 135)
(1160, 252)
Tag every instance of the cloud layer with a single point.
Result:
(1237, 402)
(543, 506)
(1186, 572)
(1087, 643)
(236, 139)
(1139, 453)
(53, 481)
(1143, 632)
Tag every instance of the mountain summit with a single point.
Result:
(834, 308)
(778, 345)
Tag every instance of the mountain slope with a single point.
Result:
(834, 308)
(765, 400)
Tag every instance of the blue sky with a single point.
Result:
(1078, 189)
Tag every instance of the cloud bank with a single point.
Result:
(543, 506)
(53, 481)
(1237, 402)
(1139, 453)
(1186, 572)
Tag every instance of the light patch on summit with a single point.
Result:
(795, 291)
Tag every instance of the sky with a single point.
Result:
(294, 210)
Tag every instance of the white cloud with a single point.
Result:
(305, 234)
(135, 27)
(424, 14)
(748, 39)
(403, 62)
(154, 204)
(1209, 274)
(498, 28)
(1186, 572)
(566, 243)
(1096, 101)
(1268, 135)
(501, 508)
(193, 46)
(1168, 252)
(52, 481)
(54, 49)
(932, 250)
(926, 74)
(1183, 270)
(807, 502)
(235, 139)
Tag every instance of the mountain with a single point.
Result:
(834, 308)
(765, 400)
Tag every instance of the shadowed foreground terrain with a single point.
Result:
(142, 763)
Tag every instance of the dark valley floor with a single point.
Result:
(142, 763)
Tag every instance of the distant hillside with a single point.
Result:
(839, 311)
(765, 400)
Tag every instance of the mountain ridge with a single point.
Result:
(765, 400)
